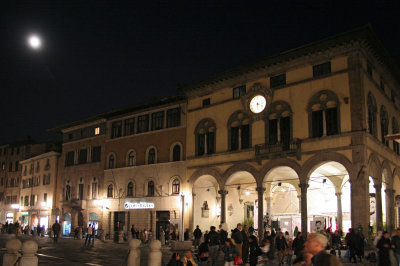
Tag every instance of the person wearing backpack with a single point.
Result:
(212, 239)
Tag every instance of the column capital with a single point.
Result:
(303, 186)
(260, 189)
(268, 198)
(338, 194)
(389, 191)
(222, 192)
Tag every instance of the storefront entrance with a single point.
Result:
(67, 225)
(162, 221)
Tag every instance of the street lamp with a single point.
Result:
(34, 42)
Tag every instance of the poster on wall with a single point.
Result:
(317, 225)
(256, 214)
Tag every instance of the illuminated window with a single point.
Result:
(110, 189)
(97, 131)
(176, 186)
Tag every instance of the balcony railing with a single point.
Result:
(293, 148)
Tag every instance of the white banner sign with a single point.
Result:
(139, 205)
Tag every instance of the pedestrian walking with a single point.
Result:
(298, 246)
(281, 247)
(197, 235)
(316, 244)
(396, 246)
(238, 237)
(133, 232)
(255, 251)
(89, 234)
(245, 245)
(230, 252)
(383, 249)
(351, 243)
(56, 231)
(212, 240)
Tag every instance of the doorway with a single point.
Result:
(162, 221)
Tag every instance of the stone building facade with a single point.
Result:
(38, 190)
(310, 120)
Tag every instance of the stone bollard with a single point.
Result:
(13, 246)
(51, 233)
(134, 253)
(120, 237)
(29, 258)
(35, 232)
(103, 236)
(80, 234)
(155, 255)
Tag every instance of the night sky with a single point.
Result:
(104, 55)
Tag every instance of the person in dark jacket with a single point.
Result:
(186, 236)
(281, 246)
(384, 247)
(396, 245)
(245, 246)
(237, 236)
(359, 245)
(230, 252)
(336, 243)
(175, 260)
(197, 235)
(298, 246)
(204, 253)
(351, 243)
(212, 239)
(255, 250)
(223, 234)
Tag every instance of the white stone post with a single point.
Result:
(29, 258)
(155, 255)
(13, 246)
(103, 236)
(134, 253)
(120, 237)
(79, 233)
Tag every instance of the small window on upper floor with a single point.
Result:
(129, 126)
(278, 80)
(206, 102)
(322, 69)
(143, 124)
(69, 160)
(111, 161)
(151, 157)
(369, 69)
(176, 153)
(97, 131)
(96, 154)
(116, 129)
(110, 190)
(157, 120)
(239, 91)
(174, 117)
(176, 186)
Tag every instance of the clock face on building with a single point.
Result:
(257, 104)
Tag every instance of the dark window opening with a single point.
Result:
(150, 188)
(174, 117)
(317, 125)
(239, 91)
(331, 121)
(116, 129)
(143, 124)
(206, 102)
(129, 126)
(157, 120)
(278, 80)
(321, 69)
(176, 153)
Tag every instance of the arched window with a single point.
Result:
(384, 125)
(395, 130)
(372, 111)
(129, 192)
(323, 113)
(205, 137)
(176, 153)
(110, 190)
(176, 186)
(94, 188)
(131, 158)
(111, 161)
(150, 188)
(239, 131)
(279, 124)
(67, 192)
(151, 157)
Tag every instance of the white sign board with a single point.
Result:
(139, 205)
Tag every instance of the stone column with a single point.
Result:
(304, 215)
(268, 200)
(378, 199)
(339, 210)
(223, 204)
(299, 197)
(260, 191)
(360, 210)
(390, 208)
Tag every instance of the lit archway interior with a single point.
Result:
(206, 202)
(282, 196)
(396, 187)
(327, 183)
(241, 200)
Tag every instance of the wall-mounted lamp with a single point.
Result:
(346, 100)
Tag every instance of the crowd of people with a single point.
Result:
(242, 246)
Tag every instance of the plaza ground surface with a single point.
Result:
(70, 252)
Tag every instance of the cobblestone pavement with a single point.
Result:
(72, 252)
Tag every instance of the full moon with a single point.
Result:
(34, 41)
